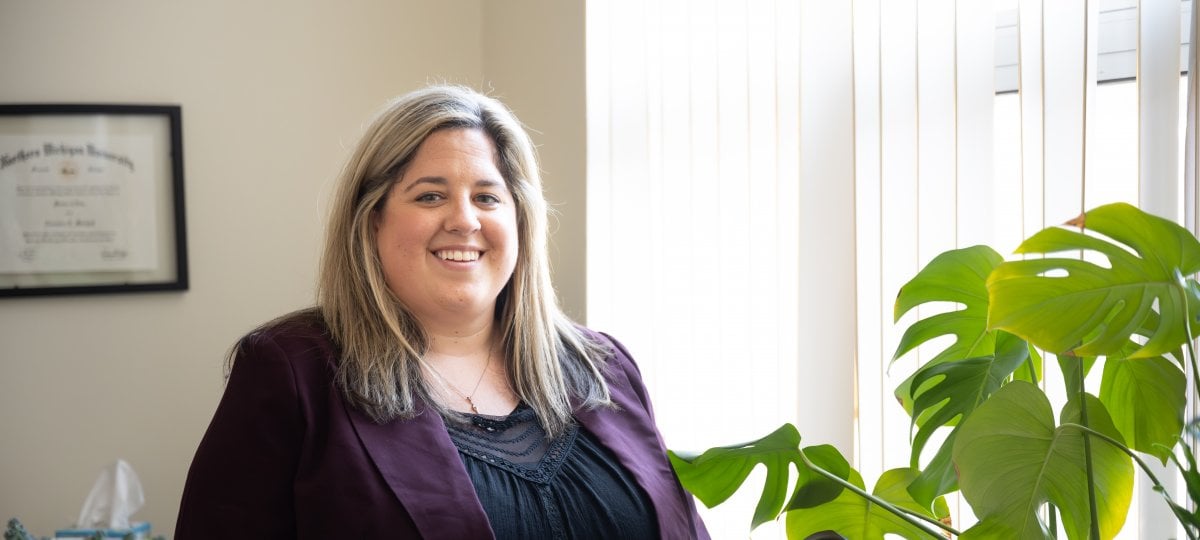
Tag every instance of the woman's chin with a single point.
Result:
(467, 305)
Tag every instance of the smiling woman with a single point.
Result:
(436, 390)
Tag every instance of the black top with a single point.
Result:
(567, 488)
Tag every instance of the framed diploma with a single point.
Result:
(91, 199)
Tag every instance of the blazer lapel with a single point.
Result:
(422, 467)
(630, 434)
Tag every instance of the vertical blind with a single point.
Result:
(764, 175)
(720, 166)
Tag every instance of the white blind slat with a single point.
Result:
(1158, 108)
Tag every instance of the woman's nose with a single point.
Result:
(463, 218)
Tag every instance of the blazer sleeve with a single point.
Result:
(240, 481)
(634, 374)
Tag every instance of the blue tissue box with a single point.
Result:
(139, 529)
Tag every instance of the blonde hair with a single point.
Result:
(551, 360)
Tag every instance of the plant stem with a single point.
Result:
(1189, 443)
(1094, 529)
(1141, 464)
(902, 513)
(1191, 360)
(1187, 327)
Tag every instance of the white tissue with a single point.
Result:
(116, 495)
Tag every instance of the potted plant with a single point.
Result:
(1107, 290)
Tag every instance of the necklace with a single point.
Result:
(467, 397)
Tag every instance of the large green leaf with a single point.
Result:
(1012, 459)
(1144, 273)
(938, 477)
(956, 391)
(854, 516)
(957, 276)
(1147, 397)
(814, 490)
(957, 388)
(716, 474)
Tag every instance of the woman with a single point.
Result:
(436, 390)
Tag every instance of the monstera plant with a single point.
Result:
(1108, 290)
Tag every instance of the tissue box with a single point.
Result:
(140, 530)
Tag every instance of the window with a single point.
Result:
(765, 175)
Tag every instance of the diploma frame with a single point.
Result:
(156, 135)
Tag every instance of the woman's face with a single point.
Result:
(447, 233)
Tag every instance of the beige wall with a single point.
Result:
(273, 94)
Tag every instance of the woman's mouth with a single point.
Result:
(457, 255)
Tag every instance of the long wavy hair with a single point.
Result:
(551, 361)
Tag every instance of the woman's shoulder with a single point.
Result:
(306, 322)
(602, 340)
(295, 335)
(614, 353)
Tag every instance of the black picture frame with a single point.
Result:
(91, 199)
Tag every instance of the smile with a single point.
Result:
(457, 255)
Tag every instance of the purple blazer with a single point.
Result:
(286, 457)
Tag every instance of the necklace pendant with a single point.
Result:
(472, 404)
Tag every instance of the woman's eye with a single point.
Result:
(487, 198)
(429, 197)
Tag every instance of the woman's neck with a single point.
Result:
(469, 370)
(460, 340)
